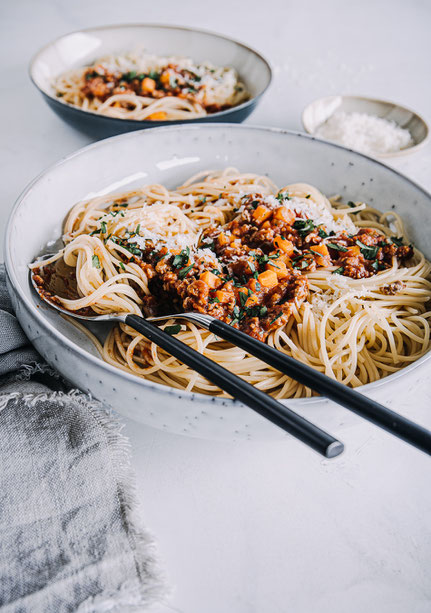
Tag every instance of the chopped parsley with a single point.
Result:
(243, 298)
(281, 196)
(95, 261)
(336, 247)
(181, 259)
(129, 76)
(368, 252)
(322, 233)
(397, 240)
(276, 317)
(184, 271)
(162, 257)
(121, 265)
(338, 271)
(304, 226)
(103, 227)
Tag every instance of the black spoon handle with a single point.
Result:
(262, 403)
(367, 408)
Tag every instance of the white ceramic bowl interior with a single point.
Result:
(169, 156)
(319, 111)
(80, 48)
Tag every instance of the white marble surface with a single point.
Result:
(265, 528)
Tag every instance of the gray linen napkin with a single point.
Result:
(70, 538)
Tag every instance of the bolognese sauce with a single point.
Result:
(251, 272)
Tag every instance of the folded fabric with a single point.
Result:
(70, 534)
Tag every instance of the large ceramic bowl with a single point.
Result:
(83, 47)
(169, 155)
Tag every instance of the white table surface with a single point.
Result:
(259, 527)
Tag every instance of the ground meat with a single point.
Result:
(170, 80)
(392, 288)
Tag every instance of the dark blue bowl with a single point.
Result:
(83, 47)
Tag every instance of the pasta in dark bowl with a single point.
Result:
(115, 79)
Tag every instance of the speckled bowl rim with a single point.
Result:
(158, 387)
(394, 154)
(133, 122)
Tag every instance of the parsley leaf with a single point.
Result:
(304, 226)
(281, 196)
(184, 271)
(338, 271)
(368, 252)
(336, 247)
(95, 261)
(276, 317)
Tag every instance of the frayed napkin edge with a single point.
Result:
(132, 594)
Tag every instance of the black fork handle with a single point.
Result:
(369, 409)
(260, 402)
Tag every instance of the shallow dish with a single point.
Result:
(169, 155)
(82, 47)
(319, 111)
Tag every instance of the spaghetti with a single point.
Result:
(141, 87)
(334, 286)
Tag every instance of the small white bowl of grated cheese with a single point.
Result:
(375, 127)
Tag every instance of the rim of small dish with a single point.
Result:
(164, 389)
(394, 154)
(162, 123)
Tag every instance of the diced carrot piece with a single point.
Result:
(165, 77)
(254, 285)
(322, 249)
(148, 85)
(285, 214)
(321, 254)
(266, 224)
(268, 278)
(352, 251)
(283, 257)
(251, 300)
(261, 213)
(159, 116)
(222, 239)
(284, 245)
(222, 296)
(210, 279)
(278, 267)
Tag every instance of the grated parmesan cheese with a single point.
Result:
(306, 208)
(366, 133)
